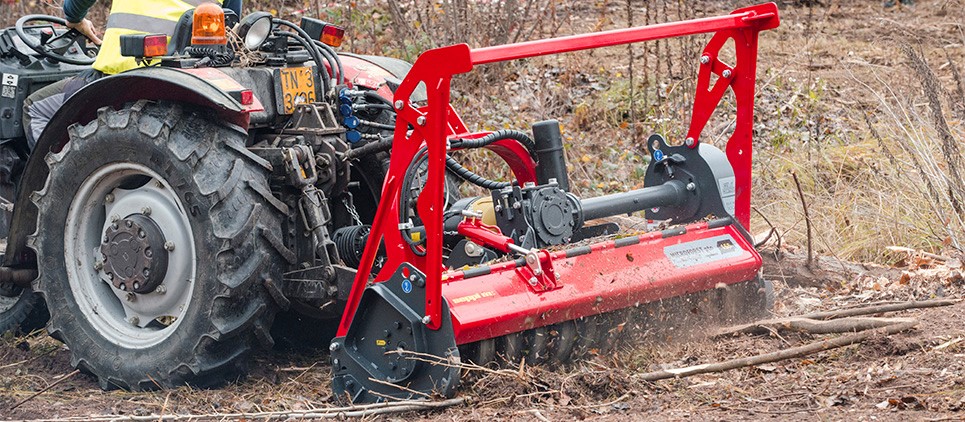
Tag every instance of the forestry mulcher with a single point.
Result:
(168, 213)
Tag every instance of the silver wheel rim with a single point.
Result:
(119, 190)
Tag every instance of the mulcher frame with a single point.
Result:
(494, 300)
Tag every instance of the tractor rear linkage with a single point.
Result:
(399, 336)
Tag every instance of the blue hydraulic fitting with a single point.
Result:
(353, 136)
(345, 110)
(351, 122)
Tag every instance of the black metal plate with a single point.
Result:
(388, 353)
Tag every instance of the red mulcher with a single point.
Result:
(522, 274)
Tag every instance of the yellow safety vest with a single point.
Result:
(138, 17)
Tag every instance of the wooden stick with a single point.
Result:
(807, 218)
(58, 381)
(881, 308)
(793, 352)
(811, 326)
(330, 413)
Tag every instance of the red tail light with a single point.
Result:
(332, 35)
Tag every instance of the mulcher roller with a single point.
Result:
(532, 272)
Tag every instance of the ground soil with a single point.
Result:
(919, 374)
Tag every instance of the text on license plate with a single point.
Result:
(297, 87)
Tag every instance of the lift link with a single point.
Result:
(313, 205)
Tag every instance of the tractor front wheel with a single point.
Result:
(154, 251)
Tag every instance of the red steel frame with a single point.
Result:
(436, 122)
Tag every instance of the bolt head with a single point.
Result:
(135, 320)
(123, 286)
(141, 234)
(426, 319)
(137, 285)
(129, 223)
(98, 265)
(169, 245)
(161, 290)
(114, 218)
(691, 186)
(147, 273)
(148, 253)
(726, 73)
(399, 104)
(704, 59)
(421, 120)
(146, 210)
(333, 347)
(109, 198)
(689, 142)
(533, 281)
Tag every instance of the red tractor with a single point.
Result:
(168, 213)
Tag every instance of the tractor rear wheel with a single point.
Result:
(153, 241)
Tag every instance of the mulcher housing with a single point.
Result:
(402, 331)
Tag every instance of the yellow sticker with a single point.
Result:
(380, 343)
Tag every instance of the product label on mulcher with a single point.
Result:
(703, 251)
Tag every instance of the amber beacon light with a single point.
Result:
(209, 26)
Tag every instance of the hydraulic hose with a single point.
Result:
(306, 41)
(473, 178)
(498, 135)
(334, 55)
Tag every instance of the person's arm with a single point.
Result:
(233, 5)
(75, 11)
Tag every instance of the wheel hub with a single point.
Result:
(134, 255)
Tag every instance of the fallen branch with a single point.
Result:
(793, 352)
(811, 326)
(881, 308)
(330, 413)
(58, 381)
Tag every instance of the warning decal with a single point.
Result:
(703, 251)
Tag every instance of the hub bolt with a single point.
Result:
(169, 245)
(129, 223)
(691, 186)
(146, 210)
(147, 273)
(114, 218)
(137, 285)
(98, 265)
(704, 59)
(426, 319)
(123, 286)
(141, 234)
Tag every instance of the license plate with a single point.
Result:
(297, 87)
